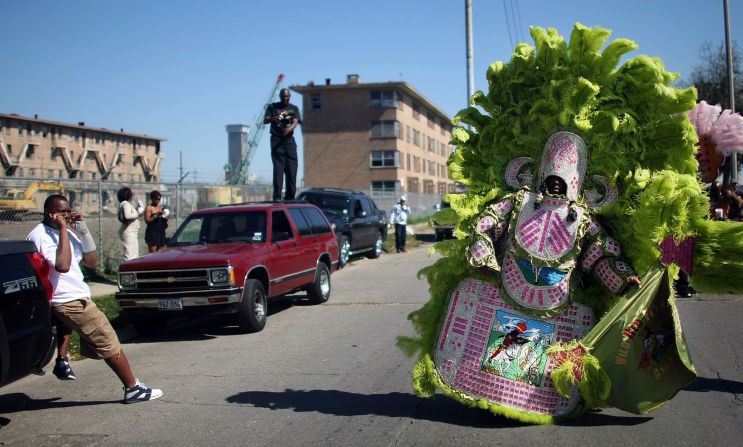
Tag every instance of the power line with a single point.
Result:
(508, 23)
(519, 23)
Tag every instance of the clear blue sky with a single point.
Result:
(183, 69)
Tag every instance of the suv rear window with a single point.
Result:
(302, 225)
(317, 220)
(249, 226)
(332, 205)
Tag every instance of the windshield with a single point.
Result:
(247, 226)
(337, 206)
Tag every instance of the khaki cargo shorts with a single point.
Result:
(98, 340)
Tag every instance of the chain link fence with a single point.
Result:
(22, 202)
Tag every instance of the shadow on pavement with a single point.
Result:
(209, 327)
(705, 384)
(17, 402)
(437, 409)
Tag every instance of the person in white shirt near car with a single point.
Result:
(399, 216)
(63, 238)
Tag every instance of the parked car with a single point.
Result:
(26, 339)
(359, 225)
(231, 260)
(443, 231)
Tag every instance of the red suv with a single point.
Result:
(231, 260)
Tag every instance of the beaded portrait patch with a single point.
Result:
(488, 350)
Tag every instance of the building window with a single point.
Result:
(416, 110)
(315, 101)
(384, 129)
(416, 138)
(384, 188)
(408, 134)
(431, 144)
(431, 167)
(413, 184)
(32, 173)
(30, 151)
(383, 98)
(431, 120)
(428, 187)
(416, 164)
(441, 188)
(408, 162)
(399, 101)
(384, 159)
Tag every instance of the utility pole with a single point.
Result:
(470, 55)
(732, 161)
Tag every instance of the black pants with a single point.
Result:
(284, 158)
(401, 232)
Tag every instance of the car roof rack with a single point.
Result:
(262, 202)
(340, 190)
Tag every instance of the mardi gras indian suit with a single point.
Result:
(537, 244)
(578, 175)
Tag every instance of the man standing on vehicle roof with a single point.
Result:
(64, 240)
(284, 118)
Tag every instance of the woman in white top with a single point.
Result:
(129, 218)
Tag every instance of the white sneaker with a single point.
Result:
(140, 393)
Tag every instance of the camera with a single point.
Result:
(283, 120)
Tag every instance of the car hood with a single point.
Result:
(187, 256)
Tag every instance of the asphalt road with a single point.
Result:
(331, 375)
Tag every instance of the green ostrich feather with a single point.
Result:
(637, 134)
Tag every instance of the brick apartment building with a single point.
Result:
(384, 137)
(38, 148)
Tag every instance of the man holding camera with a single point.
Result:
(63, 238)
(284, 118)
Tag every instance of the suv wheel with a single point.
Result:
(148, 325)
(344, 250)
(251, 314)
(319, 291)
(377, 251)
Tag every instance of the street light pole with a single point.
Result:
(732, 159)
(470, 56)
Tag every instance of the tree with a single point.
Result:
(710, 76)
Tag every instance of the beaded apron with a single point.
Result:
(488, 350)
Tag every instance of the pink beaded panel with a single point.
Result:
(611, 280)
(545, 232)
(590, 256)
(529, 295)
(503, 207)
(462, 346)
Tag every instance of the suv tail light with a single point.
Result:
(41, 267)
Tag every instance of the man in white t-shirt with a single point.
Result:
(399, 216)
(64, 240)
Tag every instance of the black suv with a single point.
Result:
(26, 339)
(359, 225)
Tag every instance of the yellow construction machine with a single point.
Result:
(18, 203)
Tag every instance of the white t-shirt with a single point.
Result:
(68, 286)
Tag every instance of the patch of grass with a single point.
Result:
(107, 305)
(389, 244)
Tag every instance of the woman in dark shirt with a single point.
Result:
(156, 218)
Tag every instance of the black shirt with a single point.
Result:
(275, 109)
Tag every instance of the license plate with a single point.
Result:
(170, 304)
